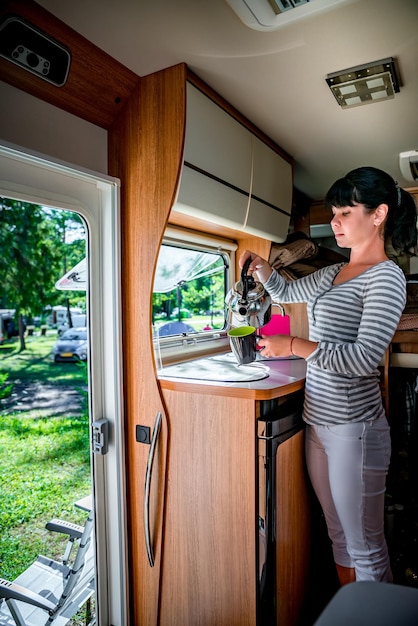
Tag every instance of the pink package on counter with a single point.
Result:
(278, 325)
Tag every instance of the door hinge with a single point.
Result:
(100, 436)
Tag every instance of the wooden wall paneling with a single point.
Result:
(405, 341)
(319, 214)
(299, 326)
(97, 87)
(209, 568)
(145, 152)
(255, 244)
(292, 531)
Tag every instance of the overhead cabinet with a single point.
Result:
(203, 197)
(271, 193)
(216, 143)
(216, 175)
(229, 176)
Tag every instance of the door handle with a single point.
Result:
(148, 476)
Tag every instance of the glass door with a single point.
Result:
(36, 179)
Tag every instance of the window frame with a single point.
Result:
(177, 348)
(39, 179)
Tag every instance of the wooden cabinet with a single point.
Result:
(208, 569)
(319, 214)
(293, 532)
(202, 539)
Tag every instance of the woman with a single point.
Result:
(353, 310)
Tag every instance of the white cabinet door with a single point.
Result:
(271, 194)
(216, 176)
(215, 142)
(272, 177)
(265, 222)
(202, 197)
(225, 166)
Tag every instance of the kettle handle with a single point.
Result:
(245, 267)
(247, 280)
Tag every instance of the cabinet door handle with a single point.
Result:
(148, 475)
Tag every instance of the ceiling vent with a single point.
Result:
(408, 163)
(273, 14)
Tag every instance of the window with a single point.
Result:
(193, 275)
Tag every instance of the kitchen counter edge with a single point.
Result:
(285, 377)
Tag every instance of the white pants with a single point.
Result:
(348, 465)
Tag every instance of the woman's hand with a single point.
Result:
(275, 345)
(258, 265)
(285, 345)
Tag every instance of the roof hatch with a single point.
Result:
(273, 14)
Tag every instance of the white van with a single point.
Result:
(78, 321)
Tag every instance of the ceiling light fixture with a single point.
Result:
(364, 84)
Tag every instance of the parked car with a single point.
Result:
(175, 328)
(72, 346)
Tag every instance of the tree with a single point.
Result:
(32, 249)
(73, 240)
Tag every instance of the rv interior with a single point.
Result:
(217, 122)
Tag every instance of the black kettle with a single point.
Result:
(248, 303)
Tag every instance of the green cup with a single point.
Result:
(243, 344)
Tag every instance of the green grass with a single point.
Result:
(45, 461)
(35, 363)
(5, 388)
(45, 469)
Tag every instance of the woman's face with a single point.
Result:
(352, 225)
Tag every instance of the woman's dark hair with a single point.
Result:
(370, 186)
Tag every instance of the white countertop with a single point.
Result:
(275, 377)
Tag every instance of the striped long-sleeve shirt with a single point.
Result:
(353, 323)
